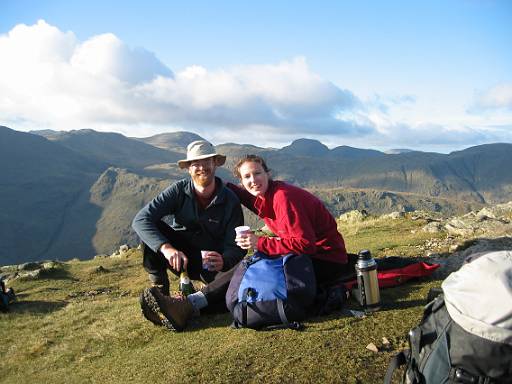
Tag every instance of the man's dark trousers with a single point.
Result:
(156, 265)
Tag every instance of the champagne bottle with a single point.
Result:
(186, 286)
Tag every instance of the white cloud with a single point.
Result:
(497, 97)
(50, 79)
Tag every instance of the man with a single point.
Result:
(205, 216)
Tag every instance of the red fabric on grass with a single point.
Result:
(397, 276)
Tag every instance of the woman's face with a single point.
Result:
(254, 178)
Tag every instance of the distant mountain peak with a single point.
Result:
(398, 151)
(176, 141)
(306, 147)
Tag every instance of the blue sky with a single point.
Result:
(432, 75)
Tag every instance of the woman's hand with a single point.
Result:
(247, 241)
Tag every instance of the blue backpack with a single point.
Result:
(270, 292)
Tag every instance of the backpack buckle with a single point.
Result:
(464, 377)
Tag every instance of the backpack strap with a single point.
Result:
(398, 360)
(459, 375)
(245, 293)
(281, 312)
(295, 325)
(282, 315)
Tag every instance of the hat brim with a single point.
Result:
(220, 160)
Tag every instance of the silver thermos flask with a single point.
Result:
(368, 285)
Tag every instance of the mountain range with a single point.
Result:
(73, 194)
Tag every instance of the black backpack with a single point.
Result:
(271, 292)
(7, 296)
(464, 336)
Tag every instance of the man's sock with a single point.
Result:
(198, 300)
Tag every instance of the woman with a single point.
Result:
(300, 221)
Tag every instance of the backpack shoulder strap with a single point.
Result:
(398, 360)
(282, 315)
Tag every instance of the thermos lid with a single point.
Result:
(365, 255)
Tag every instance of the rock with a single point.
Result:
(353, 216)
(28, 266)
(30, 275)
(123, 248)
(394, 215)
(454, 247)
(481, 217)
(100, 256)
(51, 265)
(485, 213)
(99, 269)
(7, 276)
(433, 227)
(452, 262)
(458, 231)
(488, 245)
(386, 345)
(9, 268)
(372, 347)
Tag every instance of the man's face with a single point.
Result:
(202, 171)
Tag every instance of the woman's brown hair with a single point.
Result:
(251, 159)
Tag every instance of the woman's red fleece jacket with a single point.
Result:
(299, 219)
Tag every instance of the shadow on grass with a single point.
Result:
(394, 305)
(210, 321)
(392, 300)
(56, 273)
(36, 307)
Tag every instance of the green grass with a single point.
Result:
(81, 325)
(385, 237)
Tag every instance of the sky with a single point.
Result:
(423, 75)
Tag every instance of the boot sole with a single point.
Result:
(152, 302)
(146, 310)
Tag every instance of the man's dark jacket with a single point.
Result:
(210, 229)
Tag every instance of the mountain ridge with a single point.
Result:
(80, 189)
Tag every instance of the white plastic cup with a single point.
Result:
(203, 257)
(242, 230)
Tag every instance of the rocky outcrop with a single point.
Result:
(453, 261)
(486, 230)
(353, 216)
(123, 251)
(492, 221)
(32, 270)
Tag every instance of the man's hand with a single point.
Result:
(214, 260)
(175, 258)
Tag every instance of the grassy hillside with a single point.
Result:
(113, 149)
(43, 199)
(475, 175)
(79, 323)
(121, 195)
(62, 194)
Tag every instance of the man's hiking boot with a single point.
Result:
(172, 311)
(164, 289)
(147, 312)
(160, 280)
